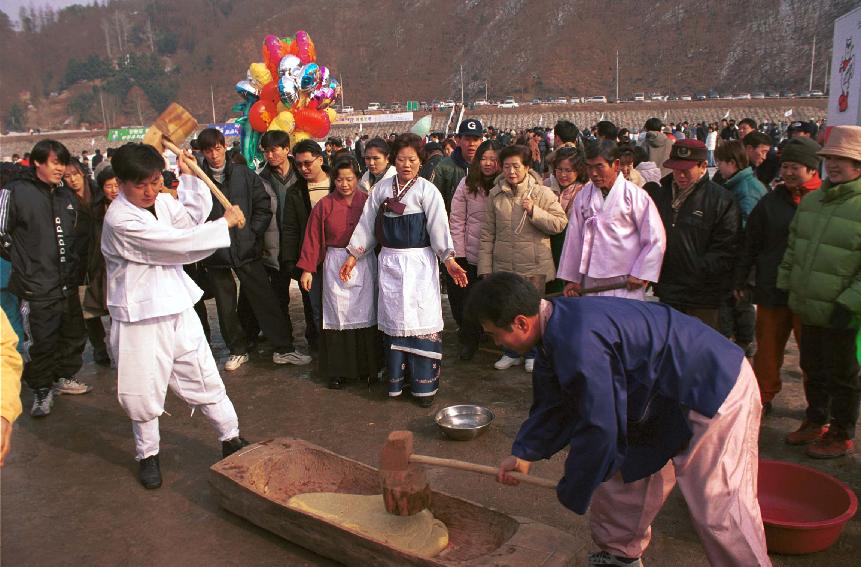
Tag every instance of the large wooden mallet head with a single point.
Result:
(175, 124)
(405, 486)
(172, 128)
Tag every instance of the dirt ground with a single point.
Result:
(70, 494)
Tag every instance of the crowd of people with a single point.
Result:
(730, 224)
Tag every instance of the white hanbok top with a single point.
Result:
(144, 253)
(621, 235)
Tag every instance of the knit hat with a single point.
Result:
(801, 150)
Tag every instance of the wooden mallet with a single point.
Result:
(405, 486)
(173, 126)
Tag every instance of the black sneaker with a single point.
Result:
(150, 473)
(425, 401)
(232, 445)
(335, 384)
(43, 401)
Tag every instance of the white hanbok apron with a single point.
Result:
(409, 302)
(351, 304)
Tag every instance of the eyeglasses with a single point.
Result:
(306, 164)
(564, 171)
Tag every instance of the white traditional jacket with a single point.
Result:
(144, 253)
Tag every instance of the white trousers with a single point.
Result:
(717, 475)
(163, 352)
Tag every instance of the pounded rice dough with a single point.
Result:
(420, 534)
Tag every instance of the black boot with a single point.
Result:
(101, 358)
(467, 352)
(232, 445)
(150, 473)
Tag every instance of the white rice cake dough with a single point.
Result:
(420, 534)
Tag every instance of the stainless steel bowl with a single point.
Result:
(463, 422)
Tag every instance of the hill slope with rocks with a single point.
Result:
(122, 60)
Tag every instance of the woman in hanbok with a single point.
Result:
(406, 215)
(349, 346)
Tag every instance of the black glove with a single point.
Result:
(841, 317)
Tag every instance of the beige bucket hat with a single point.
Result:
(843, 141)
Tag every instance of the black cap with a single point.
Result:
(471, 127)
(801, 126)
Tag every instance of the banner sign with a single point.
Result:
(844, 94)
(229, 129)
(375, 118)
(135, 134)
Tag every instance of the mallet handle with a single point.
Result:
(483, 469)
(200, 174)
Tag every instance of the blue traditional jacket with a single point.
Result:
(614, 380)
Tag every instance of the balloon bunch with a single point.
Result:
(287, 91)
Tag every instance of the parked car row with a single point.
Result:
(511, 102)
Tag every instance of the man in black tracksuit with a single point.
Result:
(242, 187)
(38, 225)
(703, 225)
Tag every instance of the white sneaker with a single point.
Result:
(234, 361)
(295, 358)
(506, 362)
(71, 386)
(604, 559)
(529, 365)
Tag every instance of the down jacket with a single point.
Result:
(467, 216)
(822, 264)
(526, 252)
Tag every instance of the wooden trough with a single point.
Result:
(257, 481)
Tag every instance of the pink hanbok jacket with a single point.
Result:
(621, 235)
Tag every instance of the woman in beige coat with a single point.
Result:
(520, 216)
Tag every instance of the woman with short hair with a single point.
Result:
(406, 215)
(520, 216)
(348, 348)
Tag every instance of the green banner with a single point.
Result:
(126, 134)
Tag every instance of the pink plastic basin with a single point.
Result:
(804, 510)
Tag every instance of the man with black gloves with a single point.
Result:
(244, 188)
(703, 225)
(38, 216)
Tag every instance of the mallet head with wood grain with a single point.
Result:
(405, 486)
(172, 127)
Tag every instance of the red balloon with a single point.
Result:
(269, 94)
(259, 116)
(315, 122)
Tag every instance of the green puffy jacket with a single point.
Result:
(822, 264)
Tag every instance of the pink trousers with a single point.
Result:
(717, 475)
